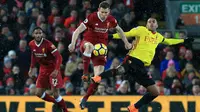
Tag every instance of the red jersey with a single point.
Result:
(97, 29)
(46, 54)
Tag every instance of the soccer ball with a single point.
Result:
(100, 50)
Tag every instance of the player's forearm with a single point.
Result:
(76, 33)
(33, 61)
(173, 41)
(75, 37)
(117, 36)
(121, 33)
(58, 59)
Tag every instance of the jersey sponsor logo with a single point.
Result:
(86, 20)
(40, 55)
(150, 40)
(100, 30)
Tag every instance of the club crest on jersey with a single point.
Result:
(43, 50)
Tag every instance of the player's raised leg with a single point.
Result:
(88, 48)
(99, 63)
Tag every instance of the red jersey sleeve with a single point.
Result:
(33, 59)
(113, 22)
(88, 20)
(51, 48)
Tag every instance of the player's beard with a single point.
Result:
(38, 39)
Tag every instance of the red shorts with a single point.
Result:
(96, 60)
(45, 80)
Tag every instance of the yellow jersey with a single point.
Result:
(145, 43)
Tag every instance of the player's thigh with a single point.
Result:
(43, 80)
(99, 63)
(98, 69)
(143, 79)
(56, 82)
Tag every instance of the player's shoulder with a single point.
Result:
(47, 41)
(112, 18)
(139, 28)
(92, 15)
(31, 43)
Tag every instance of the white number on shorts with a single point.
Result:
(54, 82)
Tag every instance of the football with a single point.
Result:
(100, 50)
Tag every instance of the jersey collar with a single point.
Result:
(38, 45)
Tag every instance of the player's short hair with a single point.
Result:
(104, 5)
(38, 28)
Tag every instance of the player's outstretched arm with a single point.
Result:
(172, 41)
(75, 35)
(122, 35)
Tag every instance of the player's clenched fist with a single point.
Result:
(30, 72)
(54, 73)
(71, 47)
(128, 46)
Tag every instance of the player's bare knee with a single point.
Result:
(156, 92)
(56, 93)
(153, 90)
(89, 47)
(38, 94)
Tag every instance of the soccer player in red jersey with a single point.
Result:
(47, 55)
(96, 27)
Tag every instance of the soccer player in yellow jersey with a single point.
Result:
(141, 55)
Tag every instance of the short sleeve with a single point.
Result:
(51, 47)
(113, 22)
(87, 21)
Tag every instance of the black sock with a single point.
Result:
(108, 73)
(147, 98)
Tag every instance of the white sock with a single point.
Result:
(87, 54)
(59, 99)
(43, 95)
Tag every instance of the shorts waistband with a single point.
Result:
(136, 61)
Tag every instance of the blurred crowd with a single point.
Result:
(174, 69)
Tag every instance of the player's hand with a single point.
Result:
(85, 78)
(128, 46)
(54, 73)
(71, 47)
(30, 72)
(188, 40)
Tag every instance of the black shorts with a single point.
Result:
(135, 69)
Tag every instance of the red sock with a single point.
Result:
(62, 105)
(48, 98)
(92, 88)
(86, 63)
